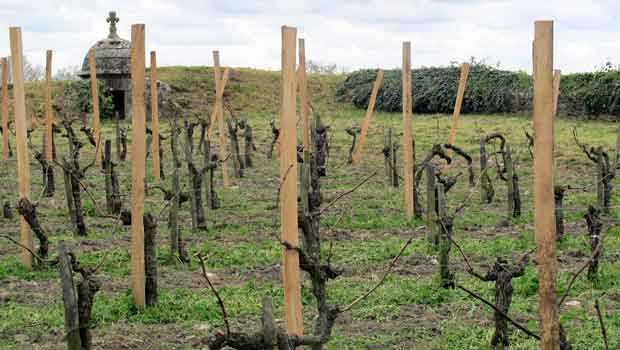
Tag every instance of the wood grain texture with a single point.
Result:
(94, 89)
(138, 164)
(5, 108)
(219, 108)
(357, 156)
(456, 115)
(19, 109)
(49, 115)
(288, 176)
(544, 203)
(407, 131)
(155, 119)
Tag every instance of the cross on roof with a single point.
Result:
(112, 19)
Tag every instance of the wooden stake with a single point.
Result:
(303, 96)
(288, 177)
(19, 107)
(5, 108)
(544, 204)
(557, 74)
(49, 117)
(155, 118)
(357, 156)
(214, 112)
(92, 63)
(407, 136)
(457, 105)
(219, 107)
(138, 164)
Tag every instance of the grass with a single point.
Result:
(362, 233)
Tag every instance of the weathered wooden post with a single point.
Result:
(288, 177)
(72, 325)
(407, 136)
(138, 163)
(214, 113)
(92, 63)
(357, 156)
(512, 182)
(49, 117)
(219, 107)
(23, 166)
(457, 105)
(155, 119)
(544, 205)
(305, 132)
(6, 150)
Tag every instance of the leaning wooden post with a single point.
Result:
(219, 107)
(5, 108)
(288, 177)
(357, 156)
(49, 117)
(557, 75)
(92, 63)
(544, 205)
(155, 118)
(457, 105)
(138, 164)
(23, 167)
(407, 137)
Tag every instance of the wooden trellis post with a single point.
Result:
(49, 117)
(557, 75)
(544, 203)
(5, 108)
(457, 105)
(23, 167)
(357, 156)
(214, 113)
(155, 119)
(288, 177)
(138, 164)
(303, 95)
(92, 63)
(219, 107)
(407, 136)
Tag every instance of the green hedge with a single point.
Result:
(489, 90)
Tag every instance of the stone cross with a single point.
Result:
(112, 19)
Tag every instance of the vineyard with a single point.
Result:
(365, 241)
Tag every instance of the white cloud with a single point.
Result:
(352, 34)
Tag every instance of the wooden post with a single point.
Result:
(357, 156)
(457, 105)
(19, 107)
(214, 112)
(557, 74)
(138, 164)
(288, 176)
(49, 117)
(544, 204)
(155, 118)
(94, 89)
(5, 108)
(407, 137)
(70, 302)
(303, 95)
(219, 107)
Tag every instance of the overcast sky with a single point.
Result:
(351, 34)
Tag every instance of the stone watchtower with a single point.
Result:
(113, 57)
